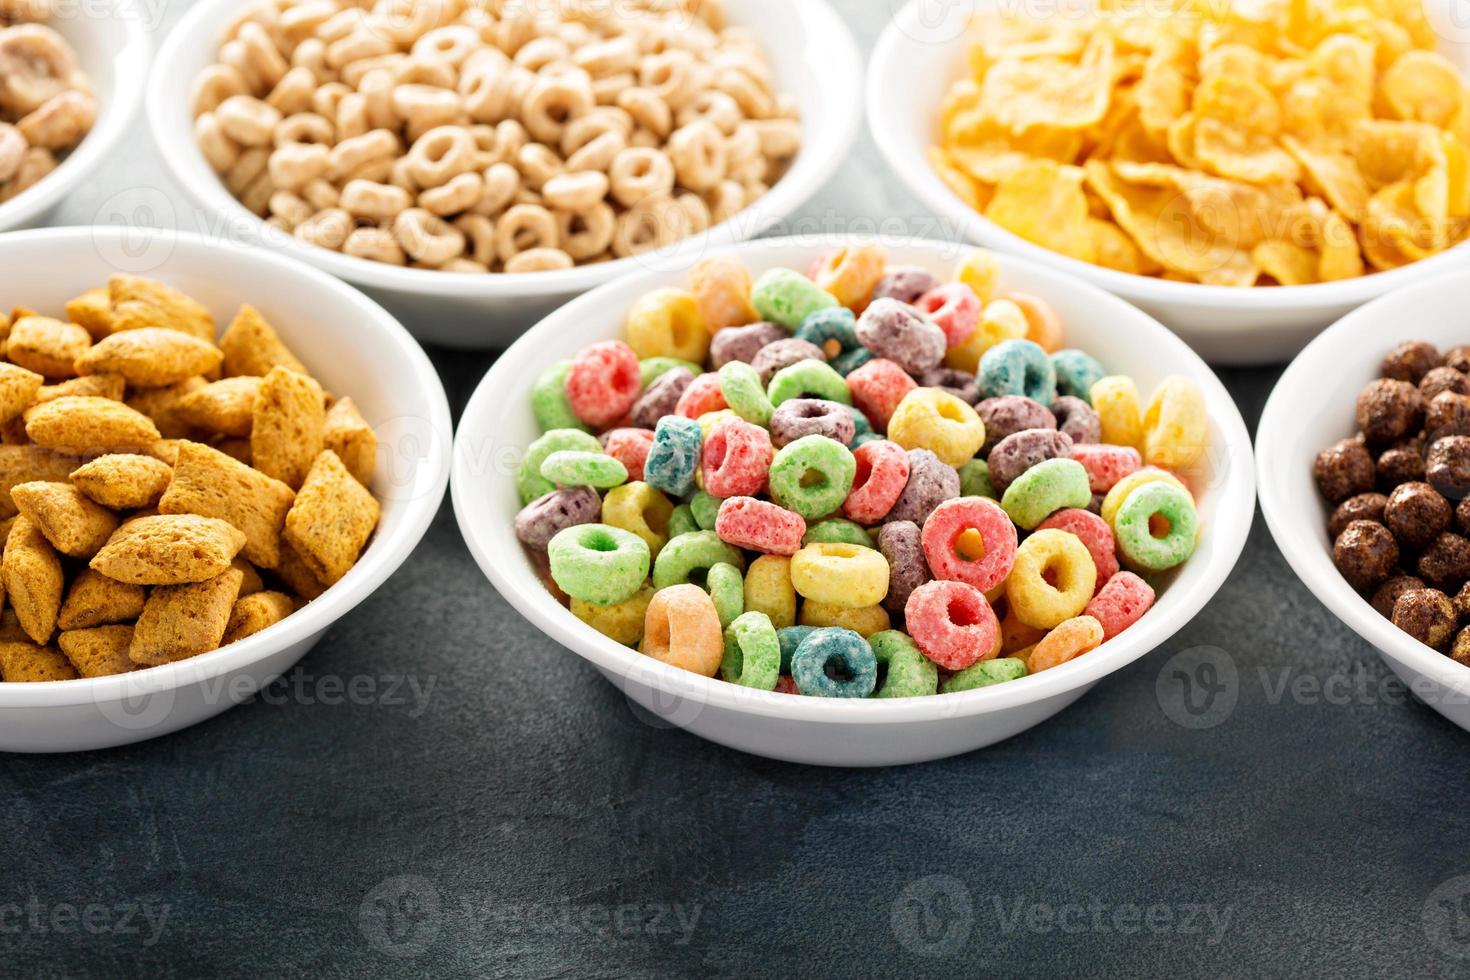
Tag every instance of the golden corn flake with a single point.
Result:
(1043, 203)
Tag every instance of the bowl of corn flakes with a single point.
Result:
(1246, 173)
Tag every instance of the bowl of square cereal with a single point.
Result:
(1246, 173)
(198, 476)
(839, 504)
(474, 166)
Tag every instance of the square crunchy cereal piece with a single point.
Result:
(150, 357)
(27, 662)
(297, 576)
(348, 435)
(23, 464)
(209, 483)
(252, 346)
(31, 571)
(225, 407)
(92, 311)
(47, 346)
(97, 385)
(253, 613)
(123, 481)
(18, 388)
(182, 621)
(169, 549)
(287, 421)
(99, 651)
(85, 426)
(72, 522)
(138, 302)
(96, 600)
(331, 520)
(252, 582)
(165, 406)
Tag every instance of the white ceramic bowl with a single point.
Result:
(497, 426)
(1310, 409)
(354, 347)
(923, 51)
(814, 58)
(113, 51)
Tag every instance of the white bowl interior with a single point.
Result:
(497, 426)
(349, 343)
(812, 53)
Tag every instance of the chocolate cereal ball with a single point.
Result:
(1447, 414)
(1447, 466)
(1462, 516)
(1426, 615)
(1442, 379)
(1366, 554)
(1458, 358)
(1402, 463)
(1445, 564)
(1388, 593)
(1389, 410)
(1410, 361)
(1416, 513)
(1363, 507)
(1460, 649)
(1344, 469)
(1461, 601)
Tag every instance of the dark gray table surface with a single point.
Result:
(494, 807)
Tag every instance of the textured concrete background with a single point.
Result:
(496, 808)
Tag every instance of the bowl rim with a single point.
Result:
(129, 48)
(883, 73)
(382, 558)
(1234, 515)
(813, 167)
(1312, 565)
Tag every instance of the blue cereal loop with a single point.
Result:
(674, 458)
(1077, 371)
(1018, 367)
(834, 663)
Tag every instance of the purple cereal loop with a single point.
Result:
(660, 397)
(905, 284)
(741, 343)
(1077, 419)
(541, 519)
(784, 353)
(797, 417)
(901, 334)
(961, 384)
(1019, 451)
(930, 484)
(900, 543)
(1009, 414)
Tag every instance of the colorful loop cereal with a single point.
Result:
(930, 483)
(980, 271)
(705, 507)
(603, 382)
(681, 521)
(1016, 635)
(899, 333)
(801, 417)
(999, 321)
(549, 402)
(598, 563)
(1077, 371)
(812, 476)
(808, 379)
(975, 480)
(835, 530)
(846, 575)
(984, 674)
(666, 323)
(726, 587)
(1009, 414)
(543, 518)
(768, 589)
(661, 396)
(786, 297)
(1115, 399)
(1044, 558)
(845, 364)
(759, 525)
(1175, 426)
(1106, 465)
(1120, 603)
(955, 308)
(682, 629)
(573, 468)
(530, 484)
(737, 456)
(900, 544)
(650, 369)
(1093, 532)
(702, 396)
(709, 420)
(691, 554)
(863, 620)
(970, 540)
(641, 510)
(877, 389)
(782, 354)
(622, 621)
(952, 623)
(833, 330)
(752, 652)
(791, 638)
(905, 284)
(721, 288)
(1069, 640)
(744, 393)
(850, 274)
(1156, 505)
(931, 419)
(1115, 497)
(628, 446)
(860, 423)
(882, 472)
(1045, 488)
(1043, 326)
(904, 671)
(1015, 454)
(674, 458)
(742, 343)
(958, 383)
(834, 663)
(1018, 367)
(1077, 419)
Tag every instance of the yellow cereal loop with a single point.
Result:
(1115, 399)
(864, 621)
(639, 508)
(1114, 500)
(1044, 558)
(622, 621)
(846, 575)
(768, 589)
(666, 323)
(980, 271)
(709, 420)
(1175, 425)
(999, 320)
(933, 419)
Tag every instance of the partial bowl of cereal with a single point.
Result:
(1364, 462)
(473, 170)
(198, 478)
(69, 85)
(839, 504)
(1246, 176)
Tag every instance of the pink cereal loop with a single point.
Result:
(946, 541)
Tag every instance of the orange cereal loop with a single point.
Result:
(1067, 641)
(138, 302)
(721, 286)
(850, 273)
(1043, 326)
(288, 415)
(682, 629)
(99, 651)
(21, 661)
(252, 346)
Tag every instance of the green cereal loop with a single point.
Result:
(687, 554)
(812, 476)
(741, 385)
(598, 563)
(1135, 536)
(846, 363)
(863, 438)
(975, 480)
(787, 297)
(705, 507)
(682, 521)
(984, 674)
(727, 588)
(752, 652)
(549, 402)
(860, 424)
(790, 638)
(530, 484)
(908, 673)
(838, 530)
(808, 379)
(578, 468)
(650, 369)
(1044, 489)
